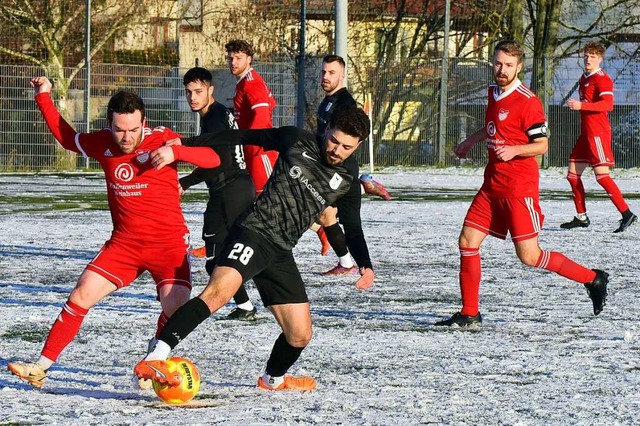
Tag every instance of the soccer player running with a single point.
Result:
(149, 231)
(508, 201)
(337, 96)
(231, 190)
(593, 147)
(307, 178)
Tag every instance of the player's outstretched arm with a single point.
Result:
(465, 146)
(59, 127)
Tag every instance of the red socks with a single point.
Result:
(612, 189)
(470, 272)
(562, 265)
(64, 330)
(578, 192)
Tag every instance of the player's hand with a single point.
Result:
(366, 278)
(162, 157)
(506, 152)
(175, 141)
(574, 104)
(41, 85)
(181, 190)
(463, 148)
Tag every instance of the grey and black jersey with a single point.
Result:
(301, 186)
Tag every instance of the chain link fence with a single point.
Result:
(406, 109)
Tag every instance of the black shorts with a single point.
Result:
(274, 271)
(225, 205)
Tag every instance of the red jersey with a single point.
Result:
(596, 95)
(514, 117)
(253, 106)
(144, 202)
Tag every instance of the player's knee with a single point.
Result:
(529, 258)
(299, 339)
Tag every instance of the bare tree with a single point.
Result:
(50, 34)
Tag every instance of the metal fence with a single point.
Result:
(405, 118)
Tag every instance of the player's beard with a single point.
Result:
(503, 80)
(328, 87)
(129, 149)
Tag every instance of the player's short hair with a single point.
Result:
(334, 58)
(594, 48)
(124, 102)
(352, 120)
(239, 46)
(511, 48)
(197, 74)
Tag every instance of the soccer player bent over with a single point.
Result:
(308, 177)
(149, 231)
(508, 201)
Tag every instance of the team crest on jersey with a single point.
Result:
(328, 106)
(491, 128)
(335, 181)
(124, 172)
(503, 114)
(108, 153)
(142, 156)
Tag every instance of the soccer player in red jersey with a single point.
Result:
(253, 106)
(593, 147)
(508, 201)
(149, 231)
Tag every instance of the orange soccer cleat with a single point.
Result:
(373, 187)
(198, 252)
(303, 383)
(158, 371)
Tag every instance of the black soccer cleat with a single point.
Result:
(240, 314)
(625, 223)
(460, 320)
(576, 223)
(597, 290)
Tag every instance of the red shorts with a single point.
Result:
(121, 261)
(520, 216)
(595, 150)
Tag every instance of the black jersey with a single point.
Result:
(301, 186)
(232, 163)
(328, 105)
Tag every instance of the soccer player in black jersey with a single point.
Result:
(307, 178)
(348, 207)
(231, 190)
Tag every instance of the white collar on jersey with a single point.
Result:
(591, 73)
(496, 90)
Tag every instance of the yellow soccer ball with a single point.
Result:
(188, 387)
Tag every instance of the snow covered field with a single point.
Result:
(541, 357)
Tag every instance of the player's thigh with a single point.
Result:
(247, 252)
(169, 266)
(281, 283)
(90, 289)
(329, 216)
(484, 215)
(524, 217)
(119, 261)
